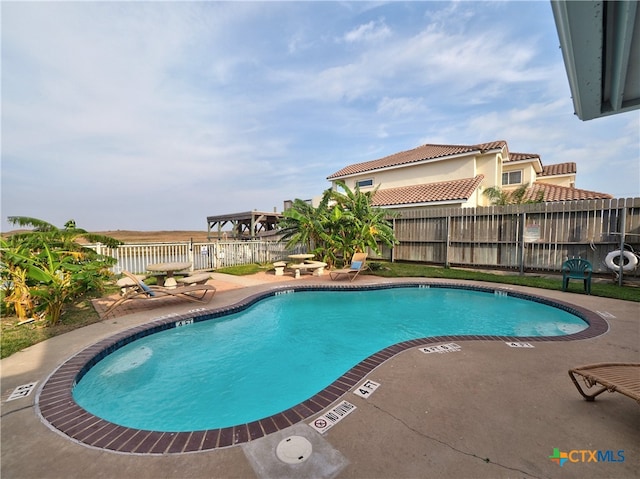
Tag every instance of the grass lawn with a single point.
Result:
(605, 289)
(15, 337)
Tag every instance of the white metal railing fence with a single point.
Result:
(203, 256)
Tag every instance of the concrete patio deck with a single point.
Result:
(486, 411)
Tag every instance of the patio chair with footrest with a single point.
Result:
(138, 289)
(623, 378)
(577, 268)
(358, 263)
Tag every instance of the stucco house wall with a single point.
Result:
(428, 172)
(457, 175)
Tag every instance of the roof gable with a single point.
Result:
(521, 157)
(568, 168)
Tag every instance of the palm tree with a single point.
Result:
(65, 238)
(359, 225)
(343, 223)
(500, 197)
(303, 224)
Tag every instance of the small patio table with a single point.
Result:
(168, 269)
(306, 264)
(301, 256)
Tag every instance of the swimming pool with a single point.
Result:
(332, 343)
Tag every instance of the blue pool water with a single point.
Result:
(286, 348)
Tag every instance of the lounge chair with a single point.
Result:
(136, 288)
(613, 377)
(358, 263)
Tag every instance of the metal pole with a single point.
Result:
(623, 227)
(523, 220)
(393, 246)
(446, 248)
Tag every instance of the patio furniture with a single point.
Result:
(196, 278)
(358, 263)
(613, 377)
(279, 267)
(577, 268)
(305, 263)
(166, 270)
(139, 290)
(316, 267)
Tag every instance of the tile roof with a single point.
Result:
(421, 153)
(559, 169)
(463, 189)
(563, 193)
(520, 157)
(427, 193)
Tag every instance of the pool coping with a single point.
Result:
(58, 410)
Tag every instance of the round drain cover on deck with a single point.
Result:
(294, 449)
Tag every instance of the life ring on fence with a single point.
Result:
(629, 262)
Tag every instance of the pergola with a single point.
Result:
(248, 224)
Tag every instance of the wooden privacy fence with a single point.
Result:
(534, 237)
(518, 237)
(203, 256)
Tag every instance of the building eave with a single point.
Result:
(600, 43)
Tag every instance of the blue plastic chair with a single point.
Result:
(577, 268)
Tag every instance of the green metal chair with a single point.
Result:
(577, 268)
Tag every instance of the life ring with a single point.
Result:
(630, 261)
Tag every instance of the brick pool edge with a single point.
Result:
(57, 408)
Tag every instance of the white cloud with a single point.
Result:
(111, 110)
(374, 31)
(402, 106)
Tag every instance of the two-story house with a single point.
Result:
(456, 175)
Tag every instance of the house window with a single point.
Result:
(512, 177)
(364, 183)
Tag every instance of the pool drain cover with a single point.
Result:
(294, 450)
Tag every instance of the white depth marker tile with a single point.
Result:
(366, 389)
(442, 348)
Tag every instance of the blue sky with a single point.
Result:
(151, 116)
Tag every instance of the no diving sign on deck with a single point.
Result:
(332, 417)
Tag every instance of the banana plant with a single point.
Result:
(343, 223)
(18, 293)
(56, 267)
(361, 224)
(50, 273)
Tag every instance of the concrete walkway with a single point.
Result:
(486, 411)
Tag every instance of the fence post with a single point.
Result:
(623, 228)
(446, 247)
(523, 220)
